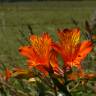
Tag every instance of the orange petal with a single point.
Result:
(53, 59)
(85, 48)
(57, 47)
(76, 75)
(90, 76)
(22, 73)
(27, 51)
(8, 74)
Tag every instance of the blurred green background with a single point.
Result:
(45, 16)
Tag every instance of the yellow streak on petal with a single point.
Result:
(69, 39)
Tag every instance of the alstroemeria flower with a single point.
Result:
(8, 74)
(81, 75)
(76, 75)
(39, 53)
(22, 73)
(72, 50)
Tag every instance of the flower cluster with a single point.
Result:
(42, 55)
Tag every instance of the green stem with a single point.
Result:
(61, 87)
(55, 91)
(66, 92)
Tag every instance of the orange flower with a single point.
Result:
(22, 73)
(72, 51)
(90, 75)
(76, 75)
(39, 52)
(81, 75)
(8, 74)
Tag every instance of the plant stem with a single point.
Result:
(55, 91)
